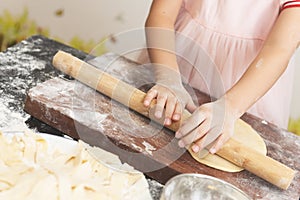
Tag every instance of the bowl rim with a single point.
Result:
(206, 177)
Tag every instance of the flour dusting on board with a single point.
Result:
(82, 110)
(112, 63)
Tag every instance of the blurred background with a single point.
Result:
(86, 24)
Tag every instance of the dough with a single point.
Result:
(33, 167)
(243, 133)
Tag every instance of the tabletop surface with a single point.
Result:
(28, 63)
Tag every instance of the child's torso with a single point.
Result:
(251, 19)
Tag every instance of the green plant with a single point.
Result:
(13, 29)
(88, 46)
(294, 126)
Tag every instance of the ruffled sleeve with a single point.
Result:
(289, 4)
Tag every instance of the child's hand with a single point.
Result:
(211, 123)
(174, 98)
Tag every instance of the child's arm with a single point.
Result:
(168, 91)
(261, 75)
(160, 32)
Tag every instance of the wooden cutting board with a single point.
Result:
(80, 112)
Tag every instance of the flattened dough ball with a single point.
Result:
(244, 134)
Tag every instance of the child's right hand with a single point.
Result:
(173, 98)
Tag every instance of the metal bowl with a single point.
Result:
(199, 186)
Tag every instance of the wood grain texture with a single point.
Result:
(115, 132)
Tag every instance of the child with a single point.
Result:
(237, 51)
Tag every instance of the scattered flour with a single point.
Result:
(19, 70)
(148, 147)
(140, 149)
(11, 120)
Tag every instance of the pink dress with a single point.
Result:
(216, 40)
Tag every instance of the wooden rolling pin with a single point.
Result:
(233, 151)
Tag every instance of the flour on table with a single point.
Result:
(11, 120)
(148, 147)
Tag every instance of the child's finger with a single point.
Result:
(151, 94)
(161, 102)
(177, 112)
(198, 134)
(220, 141)
(190, 106)
(170, 107)
(208, 139)
(195, 120)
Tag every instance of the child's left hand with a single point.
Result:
(210, 123)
